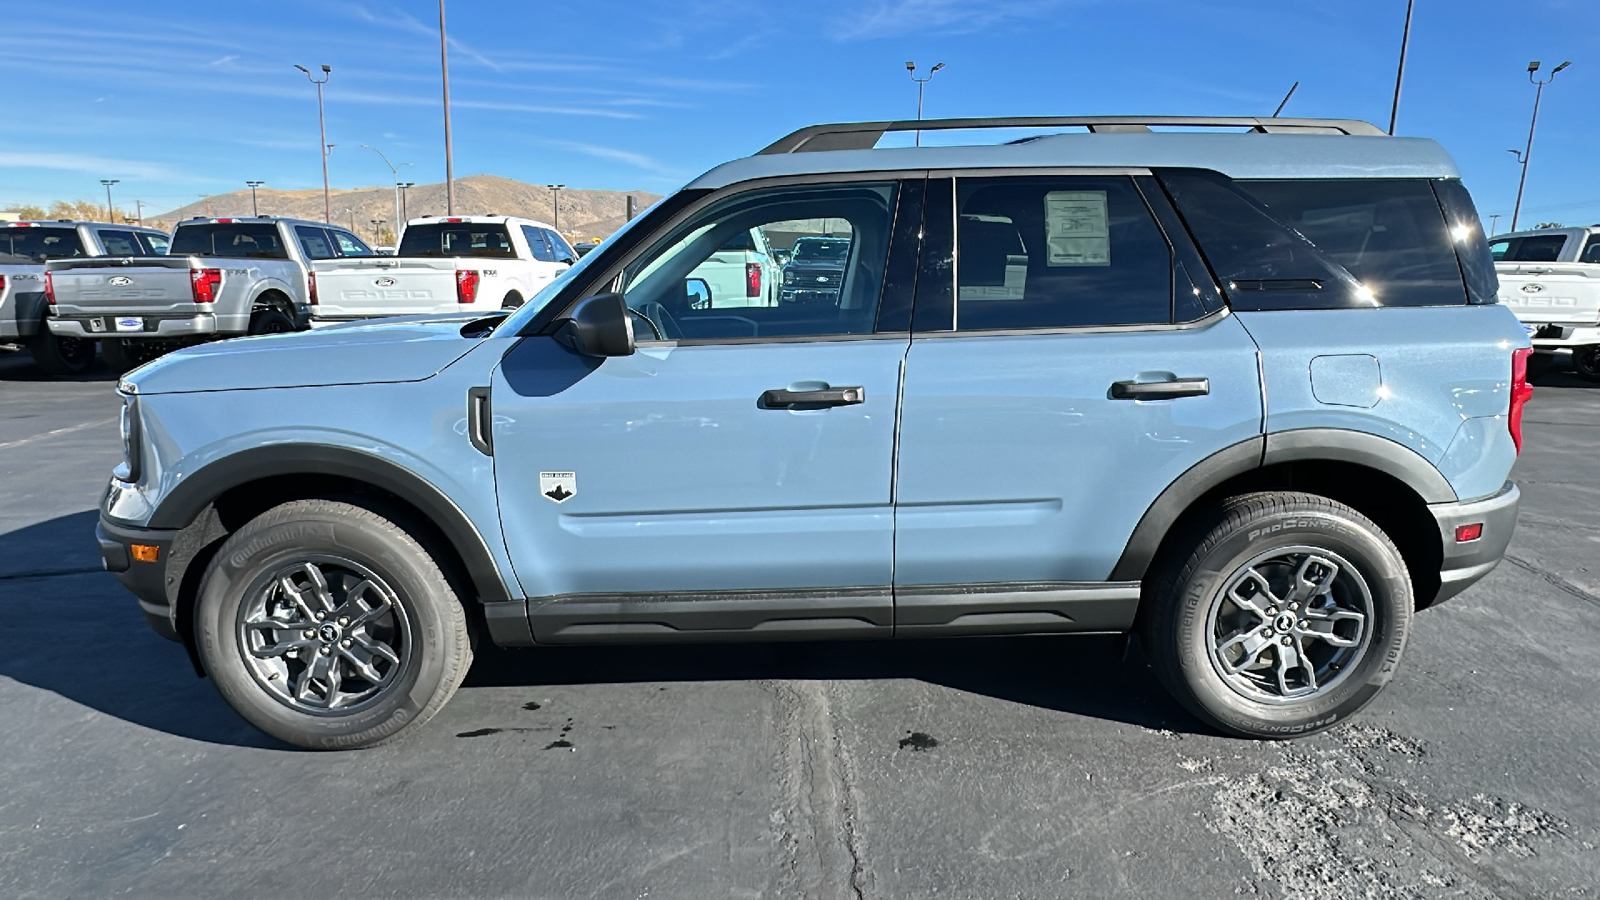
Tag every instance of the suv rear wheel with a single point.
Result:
(328, 626)
(1278, 614)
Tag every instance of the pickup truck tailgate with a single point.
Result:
(149, 285)
(1564, 293)
(366, 288)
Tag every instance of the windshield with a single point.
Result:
(27, 244)
(229, 240)
(456, 239)
(813, 249)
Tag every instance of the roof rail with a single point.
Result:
(865, 135)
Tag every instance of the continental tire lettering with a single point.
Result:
(242, 556)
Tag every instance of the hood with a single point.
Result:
(382, 352)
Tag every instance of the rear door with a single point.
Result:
(1067, 368)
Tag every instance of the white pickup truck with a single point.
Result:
(25, 247)
(220, 278)
(1550, 278)
(444, 264)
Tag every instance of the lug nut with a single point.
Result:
(321, 615)
(1272, 610)
(1286, 641)
(327, 650)
(308, 634)
(346, 643)
(344, 620)
(1305, 624)
(1266, 632)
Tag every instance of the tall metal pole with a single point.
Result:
(393, 170)
(1494, 224)
(138, 210)
(404, 187)
(111, 214)
(254, 209)
(1405, 42)
(444, 70)
(555, 204)
(322, 131)
(1527, 153)
(911, 67)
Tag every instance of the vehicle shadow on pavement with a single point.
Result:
(1099, 676)
(17, 365)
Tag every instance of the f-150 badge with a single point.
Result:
(559, 487)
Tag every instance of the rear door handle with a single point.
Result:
(1160, 390)
(785, 399)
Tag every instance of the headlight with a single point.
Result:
(128, 424)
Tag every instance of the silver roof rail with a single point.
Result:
(865, 135)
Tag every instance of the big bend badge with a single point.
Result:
(558, 486)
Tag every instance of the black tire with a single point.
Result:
(125, 355)
(55, 355)
(1586, 362)
(427, 635)
(512, 301)
(1540, 363)
(1180, 634)
(270, 321)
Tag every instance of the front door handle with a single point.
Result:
(1160, 390)
(785, 399)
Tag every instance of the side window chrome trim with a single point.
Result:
(1204, 322)
(789, 339)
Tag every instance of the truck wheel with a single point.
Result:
(328, 626)
(1586, 362)
(270, 321)
(1277, 614)
(55, 355)
(124, 355)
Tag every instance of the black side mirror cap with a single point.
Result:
(598, 326)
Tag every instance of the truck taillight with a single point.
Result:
(1521, 390)
(466, 285)
(204, 283)
(49, 289)
(2, 284)
(752, 279)
(311, 288)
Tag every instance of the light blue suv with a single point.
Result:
(1245, 392)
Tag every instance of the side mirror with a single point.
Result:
(598, 326)
(697, 293)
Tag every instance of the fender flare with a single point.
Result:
(189, 498)
(1306, 444)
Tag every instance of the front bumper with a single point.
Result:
(147, 580)
(100, 327)
(1465, 562)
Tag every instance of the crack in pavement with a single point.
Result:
(1552, 579)
(818, 825)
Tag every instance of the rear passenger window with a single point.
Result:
(1591, 251)
(157, 243)
(537, 245)
(1056, 252)
(1540, 248)
(558, 247)
(314, 242)
(119, 243)
(350, 245)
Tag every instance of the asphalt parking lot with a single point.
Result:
(1018, 767)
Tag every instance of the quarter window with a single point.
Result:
(558, 247)
(537, 244)
(349, 244)
(119, 243)
(701, 283)
(1539, 248)
(314, 242)
(1056, 252)
(1591, 251)
(156, 242)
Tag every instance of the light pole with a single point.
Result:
(1399, 76)
(922, 82)
(1494, 224)
(322, 129)
(377, 224)
(396, 173)
(352, 214)
(1527, 153)
(111, 215)
(444, 77)
(404, 186)
(555, 204)
(138, 210)
(254, 210)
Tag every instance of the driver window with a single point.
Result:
(715, 276)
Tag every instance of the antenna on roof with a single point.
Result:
(1285, 99)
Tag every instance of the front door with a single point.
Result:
(733, 474)
(1059, 387)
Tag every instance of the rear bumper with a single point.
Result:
(1555, 336)
(155, 326)
(146, 580)
(1466, 562)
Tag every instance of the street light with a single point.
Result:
(404, 186)
(922, 82)
(444, 77)
(1527, 152)
(352, 213)
(111, 215)
(393, 170)
(322, 129)
(376, 224)
(555, 203)
(254, 210)
(1399, 76)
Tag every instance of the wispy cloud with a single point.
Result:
(405, 21)
(889, 18)
(223, 60)
(75, 162)
(615, 154)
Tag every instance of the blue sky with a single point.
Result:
(185, 98)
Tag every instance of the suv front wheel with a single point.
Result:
(1278, 614)
(328, 626)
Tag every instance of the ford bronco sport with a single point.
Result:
(1246, 393)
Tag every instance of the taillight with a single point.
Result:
(49, 289)
(204, 283)
(2, 284)
(1521, 390)
(752, 279)
(466, 285)
(311, 288)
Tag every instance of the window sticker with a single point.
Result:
(1077, 229)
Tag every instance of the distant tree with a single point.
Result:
(385, 236)
(1549, 225)
(26, 211)
(86, 210)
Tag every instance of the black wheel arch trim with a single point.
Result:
(193, 494)
(1304, 444)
